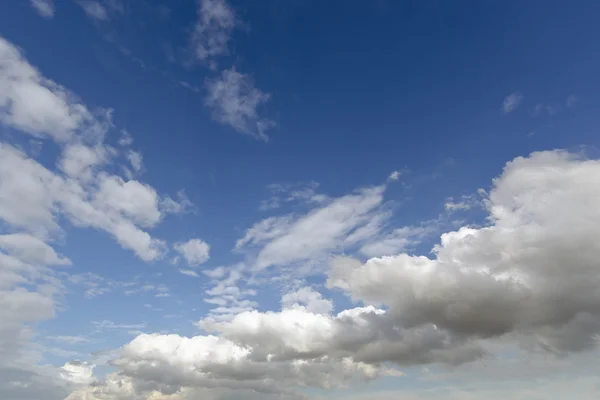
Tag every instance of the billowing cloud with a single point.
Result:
(309, 298)
(533, 271)
(528, 278)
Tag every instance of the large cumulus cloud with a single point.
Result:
(534, 270)
(530, 275)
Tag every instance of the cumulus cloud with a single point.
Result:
(78, 372)
(216, 362)
(194, 251)
(36, 196)
(512, 102)
(528, 278)
(45, 8)
(309, 298)
(532, 272)
(235, 101)
(35, 199)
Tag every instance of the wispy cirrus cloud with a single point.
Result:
(512, 102)
(215, 22)
(235, 101)
(45, 8)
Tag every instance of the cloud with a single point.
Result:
(465, 203)
(309, 298)
(69, 339)
(290, 194)
(94, 10)
(80, 373)
(36, 199)
(571, 101)
(170, 206)
(189, 272)
(289, 239)
(400, 239)
(194, 251)
(45, 8)
(125, 139)
(526, 279)
(210, 362)
(531, 272)
(36, 196)
(108, 324)
(81, 162)
(34, 104)
(235, 101)
(394, 176)
(216, 21)
(136, 160)
(512, 102)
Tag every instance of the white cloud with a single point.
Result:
(466, 202)
(531, 272)
(125, 139)
(80, 161)
(94, 10)
(526, 280)
(309, 298)
(400, 239)
(235, 101)
(34, 199)
(292, 239)
(79, 373)
(291, 193)
(216, 20)
(194, 251)
(31, 250)
(69, 339)
(136, 160)
(227, 295)
(108, 324)
(170, 206)
(210, 362)
(45, 8)
(25, 202)
(512, 101)
(189, 272)
(34, 104)
(394, 176)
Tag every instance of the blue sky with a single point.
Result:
(233, 199)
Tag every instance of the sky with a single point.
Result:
(299, 200)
